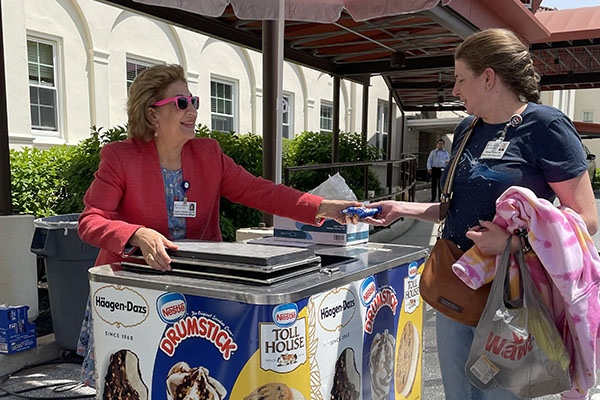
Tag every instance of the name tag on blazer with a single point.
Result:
(184, 209)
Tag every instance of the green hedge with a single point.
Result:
(54, 181)
(315, 148)
(246, 150)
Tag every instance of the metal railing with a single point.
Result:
(400, 182)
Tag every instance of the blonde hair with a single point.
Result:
(148, 88)
(501, 50)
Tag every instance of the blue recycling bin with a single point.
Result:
(67, 259)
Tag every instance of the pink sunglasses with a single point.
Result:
(182, 102)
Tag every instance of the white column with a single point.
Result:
(570, 106)
(17, 81)
(308, 106)
(99, 93)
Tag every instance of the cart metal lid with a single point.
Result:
(228, 253)
(233, 262)
(339, 266)
(239, 252)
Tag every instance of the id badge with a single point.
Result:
(495, 149)
(184, 209)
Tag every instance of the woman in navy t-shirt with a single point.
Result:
(496, 79)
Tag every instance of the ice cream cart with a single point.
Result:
(249, 321)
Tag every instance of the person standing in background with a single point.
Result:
(436, 162)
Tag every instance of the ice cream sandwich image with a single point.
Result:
(123, 378)
(407, 358)
(381, 365)
(346, 381)
(274, 391)
(185, 383)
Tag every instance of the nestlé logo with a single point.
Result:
(368, 289)
(171, 307)
(285, 314)
(412, 269)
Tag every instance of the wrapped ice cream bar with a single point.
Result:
(361, 212)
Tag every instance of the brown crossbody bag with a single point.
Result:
(439, 287)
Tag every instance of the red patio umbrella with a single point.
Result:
(324, 11)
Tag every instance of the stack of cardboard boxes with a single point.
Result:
(16, 333)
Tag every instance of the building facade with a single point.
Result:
(72, 61)
(582, 105)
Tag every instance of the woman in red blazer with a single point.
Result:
(145, 185)
(163, 184)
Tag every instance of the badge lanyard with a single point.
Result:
(495, 149)
(185, 208)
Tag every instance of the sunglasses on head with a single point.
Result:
(181, 102)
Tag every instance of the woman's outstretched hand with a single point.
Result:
(331, 209)
(153, 246)
(390, 211)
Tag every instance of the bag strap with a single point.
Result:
(519, 258)
(446, 194)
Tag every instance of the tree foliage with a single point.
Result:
(315, 148)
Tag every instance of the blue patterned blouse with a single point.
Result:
(174, 192)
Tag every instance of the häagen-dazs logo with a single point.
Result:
(367, 291)
(337, 309)
(285, 314)
(120, 306)
(171, 307)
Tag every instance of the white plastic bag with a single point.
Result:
(334, 188)
(517, 346)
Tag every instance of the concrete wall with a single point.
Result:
(576, 102)
(587, 100)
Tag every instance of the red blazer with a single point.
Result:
(128, 193)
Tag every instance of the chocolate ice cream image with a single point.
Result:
(185, 383)
(346, 381)
(123, 378)
(381, 363)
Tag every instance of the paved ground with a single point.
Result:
(49, 381)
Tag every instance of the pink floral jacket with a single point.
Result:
(565, 269)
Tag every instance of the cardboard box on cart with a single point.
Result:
(330, 232)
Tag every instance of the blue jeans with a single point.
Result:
(453, 344)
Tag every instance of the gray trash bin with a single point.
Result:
(67, 259)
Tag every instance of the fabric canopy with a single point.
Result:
(323, 11)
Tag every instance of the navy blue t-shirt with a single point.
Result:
(544, 148)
